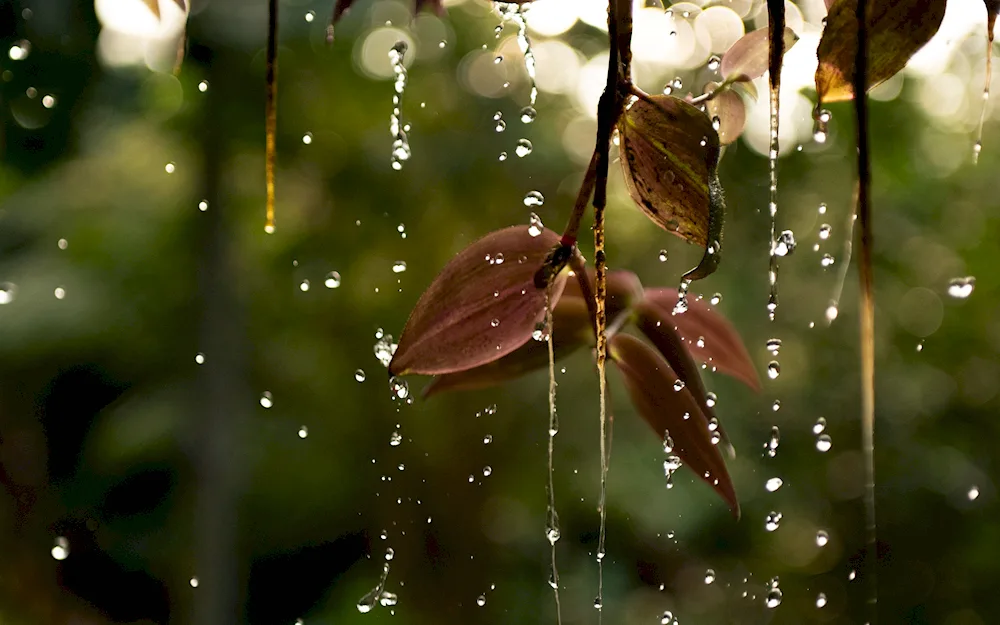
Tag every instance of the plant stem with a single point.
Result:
(867, 304)
(271, 111)
(609, 108)
(580, 207)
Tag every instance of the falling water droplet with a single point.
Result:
(535, 225)
(678, 385)
(827, 260)
(714, 62)
(399, 266)
(481, 600)
(819, 426)
(773, 599)
(304, 286)
(597, 603)
(203, 86)
(973, 493)
(821, 600)
(395, 439)
(771, 446)
(824, 231)
(821, 120)
(773, 345)
(528, 114)
(303, 432)
(961, 288)
(662, 256)
(359, 375)
(310, 16)
(822, 538)
(199, 358)
(824, 443)
(266, 399)
(533, 198)
(332, 280)
(170, 168)
(709, 576)
(523, 148)
(785, 243)
(716, 299)
(487, 439)
(773, 484)
(60, 551)
(400, 144)
(773, 369)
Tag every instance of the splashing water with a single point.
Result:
(375, 596)
(551, 515)
(773, 598)
(515, 14)
(961, 288)
(772, 205)
(400, 144)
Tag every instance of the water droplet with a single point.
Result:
(852, 575)
(773, 484)
(771, 446)
(310, 16)
(822, 209)
(597, 603)
(487, 439)
(668, 443)
(59, 292)
(523, 148)
(266, 399)
(827, 260)
(821, 600)
(399, 266)
(784, 244)
(303, 432)
(170, 168)
(389, 554)
(715, 299)
(387, 599)
(203, 205)
(668, 616)
(776, 406)
(552, 534)
(973, 493)
(678, 385)
(822, 538)
(304, 285)
(307, 138)
(824, 231)
(20, 50)
(528, 114)
(709, 576)
(502, 157)
(662, 256)
(63, 244)
(199, 358)
(60, 551)
(332, 280)
(494, 322)
(203, 86)
(395, 439)
(773, 369)
(773, 345)
(831, 312)
(48, 101)
(400, 388)
(535, 225)
(819, 426)
(711, 399)
(961, 288)
(359, 375)
(670, 466)
(824, 443)
(714, 62)
(773, 599)
(533, 198)
(500, 126)
(481, 600)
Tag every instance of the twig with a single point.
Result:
(271, 111)
(867, 302)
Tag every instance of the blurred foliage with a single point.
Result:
(115, 438)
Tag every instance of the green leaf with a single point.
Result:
(897, 29)
(669, 154)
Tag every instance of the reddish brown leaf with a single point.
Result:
(649, 318)
(896, 30)
(748, 58)
(481, 307)
(669, 407)
(572, 329)
(624, 289)
(709, 337)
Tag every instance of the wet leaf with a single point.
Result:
(896, 30)
(658, 326)
(670, 407)
(624, 288)
(669, 153)
(728, 108)
(748, 58)
(571, 330)
(481, 307)
(709, 337)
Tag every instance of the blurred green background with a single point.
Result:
(193, 423)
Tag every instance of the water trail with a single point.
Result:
(515, 13)
(400, 144)
(852, 218)
(376, 595)
(991, 21)
(776, 50)
(271, 112)
(552, 516)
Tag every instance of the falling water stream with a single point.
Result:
(400, 143)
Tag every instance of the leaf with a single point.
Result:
(728, 108)
(624, 288)
(709, 337)
(669, 153)
(659, 328)
(669, 407)
(481, 307)
(748, 58)
(572, 329)
(154, 6)
(896, 30)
